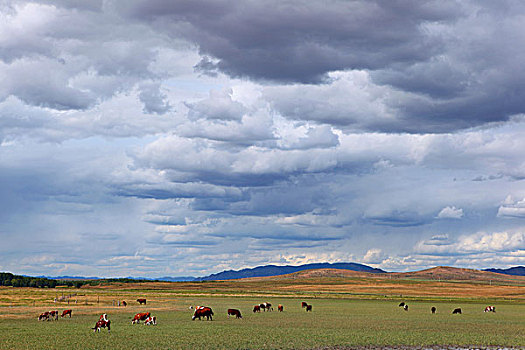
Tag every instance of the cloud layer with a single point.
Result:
(137, 137)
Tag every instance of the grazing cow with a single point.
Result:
(269, 306)
(257, 308)
(433, 309)
(402, 304)
(141, 301)
(234, 312)
(124, 303)
(490, 309)
(103, 317)
(304, 304)
(102, 324)
(308, 308)
(66, 312)
(203, 312)
(152, 320)
(457, 311)
(53, 314)
(405, 307)
(141, 316)
(280, 308)
(44, 316)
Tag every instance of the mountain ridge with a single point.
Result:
(276, 270)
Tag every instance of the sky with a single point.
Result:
(182, 138)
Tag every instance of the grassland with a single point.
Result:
(348, 310)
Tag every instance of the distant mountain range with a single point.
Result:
(515, 271)
(274, 270)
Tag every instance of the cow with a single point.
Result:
(402, 304)
(102, 324)
(44, 316)
(124, 303)
(490, 309)
(53, 314)
(103, 317)
(234, 312)
(269, 306)
(280, 308)
(308, 308)
(152, 320)
(66, 312)
(141, 316)
(405, 307)
(433, 309)
(141, 301)
(257, 308)
(203, 312)
(304, 304)
(457, 311)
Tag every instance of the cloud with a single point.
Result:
(374, 256)
(512, 209)
(480, 242)
(450, 213)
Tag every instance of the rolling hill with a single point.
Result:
(273, 270)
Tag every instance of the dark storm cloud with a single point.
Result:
(447, 65)
(300, 42)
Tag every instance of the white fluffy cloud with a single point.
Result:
(450, 213)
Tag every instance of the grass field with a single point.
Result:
(350, 311)
(333, 322)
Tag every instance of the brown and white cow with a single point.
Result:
(141, 316)
(257, 308)
(103, 317)
(234, 312)
(304, 304)
(280, 308)
(53, 314)
(44, 316)
(490, 309)
(66, 312)
(203, 311)
(141, 301)
(152, 320)
(102, 324)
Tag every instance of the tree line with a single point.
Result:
(9, 279)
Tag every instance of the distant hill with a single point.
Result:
(273, 270)
(453, 273)
(515, 271)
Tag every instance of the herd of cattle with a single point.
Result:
(455, 311)
(202, 312)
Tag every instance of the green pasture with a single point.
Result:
(333, 322)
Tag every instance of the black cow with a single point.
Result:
(433, 309)
(308, 308)
(457, 311)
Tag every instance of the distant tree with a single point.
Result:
(15, 282)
